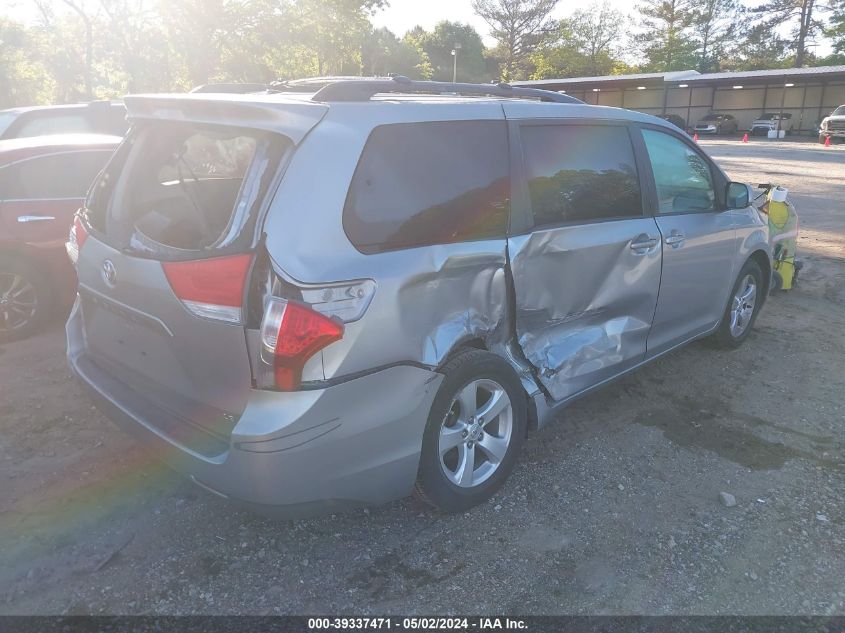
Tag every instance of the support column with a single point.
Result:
(689, 107)
(803, 104)
(821, 101)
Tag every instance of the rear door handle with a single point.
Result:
(643, 243)
(676, 239)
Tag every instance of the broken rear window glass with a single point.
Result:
(183, 186)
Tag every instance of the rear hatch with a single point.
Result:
(170, 250)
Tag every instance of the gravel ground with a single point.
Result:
(613, 510)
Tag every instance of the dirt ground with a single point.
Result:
(613, 510)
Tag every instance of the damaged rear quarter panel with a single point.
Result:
(431, 300)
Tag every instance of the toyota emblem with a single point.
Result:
(109, 272)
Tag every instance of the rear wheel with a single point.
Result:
(474, 432)
(25, 299)
(743, 307)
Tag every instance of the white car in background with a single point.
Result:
(833, 126)
(770, 122)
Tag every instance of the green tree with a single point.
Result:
(598, 30)
(836, 32)
(384, 53)
(518, 26)
(585, 44)
(759, 49)
(666, 39)
(333, 31)
(439, 44)
(23, 78)
(716, 26)
(800, 16)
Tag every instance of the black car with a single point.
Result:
(675, 120)
(97, 117)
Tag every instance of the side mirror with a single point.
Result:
(738, 195)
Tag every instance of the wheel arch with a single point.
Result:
(761, 258)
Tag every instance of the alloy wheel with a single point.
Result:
(476, 433)
(18, 302)
(742, 307)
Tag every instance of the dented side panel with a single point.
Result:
(584, 300)
(428, 301)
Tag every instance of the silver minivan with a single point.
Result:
(314, 300)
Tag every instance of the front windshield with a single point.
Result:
(840, 111)
(769, 115)
(712, 117)
(6, 119)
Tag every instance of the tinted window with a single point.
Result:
(66, 175)
(429, 183)
(37, 124)
(683, 178)
(580, 173)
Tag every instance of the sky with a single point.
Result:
(403, 15)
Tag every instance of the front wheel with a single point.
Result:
(474, 432)
(743, 307)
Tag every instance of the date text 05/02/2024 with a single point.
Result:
(418, 623)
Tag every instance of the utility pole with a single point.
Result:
(455, 66)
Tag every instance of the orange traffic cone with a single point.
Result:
(695, 137)
(827, 141)
(745, 138)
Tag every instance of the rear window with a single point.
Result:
(186, 186)
(38, 124)
(429, 183)
(6, 119)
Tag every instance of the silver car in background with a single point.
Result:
(313, 301)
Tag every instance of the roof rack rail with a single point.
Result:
(364, 90)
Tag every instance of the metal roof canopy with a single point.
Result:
(768, 77)
(692, 78)
(609, 81)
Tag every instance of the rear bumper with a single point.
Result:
(290, 454)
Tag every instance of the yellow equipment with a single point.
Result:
(783, 237)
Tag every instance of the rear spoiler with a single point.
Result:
(294, 119)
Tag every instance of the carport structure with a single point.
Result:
(808, 94)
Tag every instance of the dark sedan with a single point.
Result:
(675, 120)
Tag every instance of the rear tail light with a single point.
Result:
(76, 239)
(291, 333)
(211, 288)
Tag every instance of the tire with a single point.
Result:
(731, 334)
(22, 284)
(821, 138)
(441, 481)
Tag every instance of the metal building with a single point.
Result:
(809, 94)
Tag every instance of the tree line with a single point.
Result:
(75, 50)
